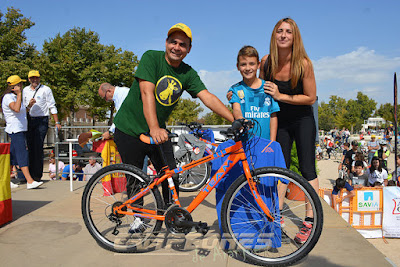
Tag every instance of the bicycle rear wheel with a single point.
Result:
(107, 189)
(193, 179)
(262, 242)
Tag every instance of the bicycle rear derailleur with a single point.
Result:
(179, 220)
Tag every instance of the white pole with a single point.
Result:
(71, 178)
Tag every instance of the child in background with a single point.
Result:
(358, 178)
(340, 184)
(377, 175)
(249, 100)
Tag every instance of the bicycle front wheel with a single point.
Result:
(108, 189)
(283, 241)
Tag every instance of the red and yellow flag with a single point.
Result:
(5, 190)
(116, 183)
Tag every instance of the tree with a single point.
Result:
(75, 64)
(212, 118)
(114, 66)
(186, 111)
(386, 111)
(366, 106)
(12, 35)
(325, 117)
(16, 56)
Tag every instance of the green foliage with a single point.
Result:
(212, 118)
(386, 111)
(186, 110)
(75, 64)
(341, 113)
(16, 56)
(294, 164)
(12, 35)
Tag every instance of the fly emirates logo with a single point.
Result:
(255, 113)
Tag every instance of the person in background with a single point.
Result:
(351, 154)
(52, 167)
(346, 147)
(91, 168)
(377, 175)
(383, 153)
(358, 178)
(339, 185)
(359, 156)
(39, 102)
(116, 94)
(16, 127)
(373, 146)
(77, 172)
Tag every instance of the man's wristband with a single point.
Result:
(58, 122)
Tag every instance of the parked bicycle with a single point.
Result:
(250, 215)
(193, 179)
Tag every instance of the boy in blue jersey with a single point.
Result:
(248, 98)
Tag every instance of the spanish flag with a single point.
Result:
(5, 190)
(116, 183)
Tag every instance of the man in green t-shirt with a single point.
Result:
(160, 80)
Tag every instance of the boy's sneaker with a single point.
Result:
(304, 233)
(12, 185)
(138, 226)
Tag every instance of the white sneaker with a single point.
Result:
(13, 185)
(34, 184)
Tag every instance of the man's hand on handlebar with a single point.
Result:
(159, 135)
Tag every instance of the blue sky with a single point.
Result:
(354, 45)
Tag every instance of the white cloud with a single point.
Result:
(362, 70)
(219, 81)
(362, 66)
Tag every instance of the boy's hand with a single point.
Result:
(229, 95)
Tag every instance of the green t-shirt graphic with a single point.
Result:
(169, 83)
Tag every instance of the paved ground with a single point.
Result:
(48, 230)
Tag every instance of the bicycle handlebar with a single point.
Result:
(145, 138)
(239, 128)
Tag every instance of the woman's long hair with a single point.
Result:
(7, 91)
(372, 168)
(297, 67)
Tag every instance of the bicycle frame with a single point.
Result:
(236, 154)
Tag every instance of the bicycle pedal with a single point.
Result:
(202, 228)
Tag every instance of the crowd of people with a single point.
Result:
(358, 169)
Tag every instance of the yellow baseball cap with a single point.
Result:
(14, 79)
(373, 136)
(181, 27)
(33, 73)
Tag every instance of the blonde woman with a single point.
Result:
(290, 80)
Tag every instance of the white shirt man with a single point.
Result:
(116, 94)
(39, 101)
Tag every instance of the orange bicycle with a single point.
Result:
(251, 220)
